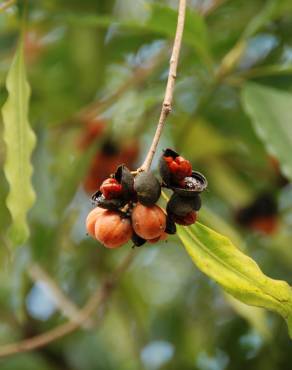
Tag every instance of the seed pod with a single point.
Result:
(163, 167)
(110, 204)
(112, 230)
(191, 185)
(126, 179)
(180, 206)
(148, 222)
(147, 187)
(173, 167)
(137, 240)
(91, 220)
(170, 225)
(187, 220)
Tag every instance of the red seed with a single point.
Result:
(111, 189)
(188, 219)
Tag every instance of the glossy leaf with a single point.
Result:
(269, 110)
(20, 141)
(238, 274)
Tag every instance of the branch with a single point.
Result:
(138, 76)
(99, 298)
(168, 97)
(65, 305)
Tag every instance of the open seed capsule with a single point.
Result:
(111, 204)
(126, 179)
(180, 206)
(192, 185)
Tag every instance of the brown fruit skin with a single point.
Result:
(91, 220)
(162, 237)
(187, 220)
(112, 230)
(148, 222)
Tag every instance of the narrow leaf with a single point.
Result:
(270, 113)
(237, 273)
(20, 141)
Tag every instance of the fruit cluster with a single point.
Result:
(125, 204)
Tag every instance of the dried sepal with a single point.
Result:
(170, 225)
(137, 240)
(124, 176)
(99, 200)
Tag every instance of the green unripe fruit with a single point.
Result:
(147, 187)
(180, 206)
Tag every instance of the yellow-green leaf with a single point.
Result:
(20, 141)
(238, 274)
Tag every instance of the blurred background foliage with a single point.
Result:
(97, 71)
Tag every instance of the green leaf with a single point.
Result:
(238, 274)
(261, 19)
(20, 141)
(162, 20)
(270, 113)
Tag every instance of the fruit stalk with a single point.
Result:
(168, 97)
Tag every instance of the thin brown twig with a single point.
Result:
(102, 295)
(64, 304)
(168, 97)
(99, 298)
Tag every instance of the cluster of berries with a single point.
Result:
(125, 205)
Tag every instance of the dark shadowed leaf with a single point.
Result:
(270, 113)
